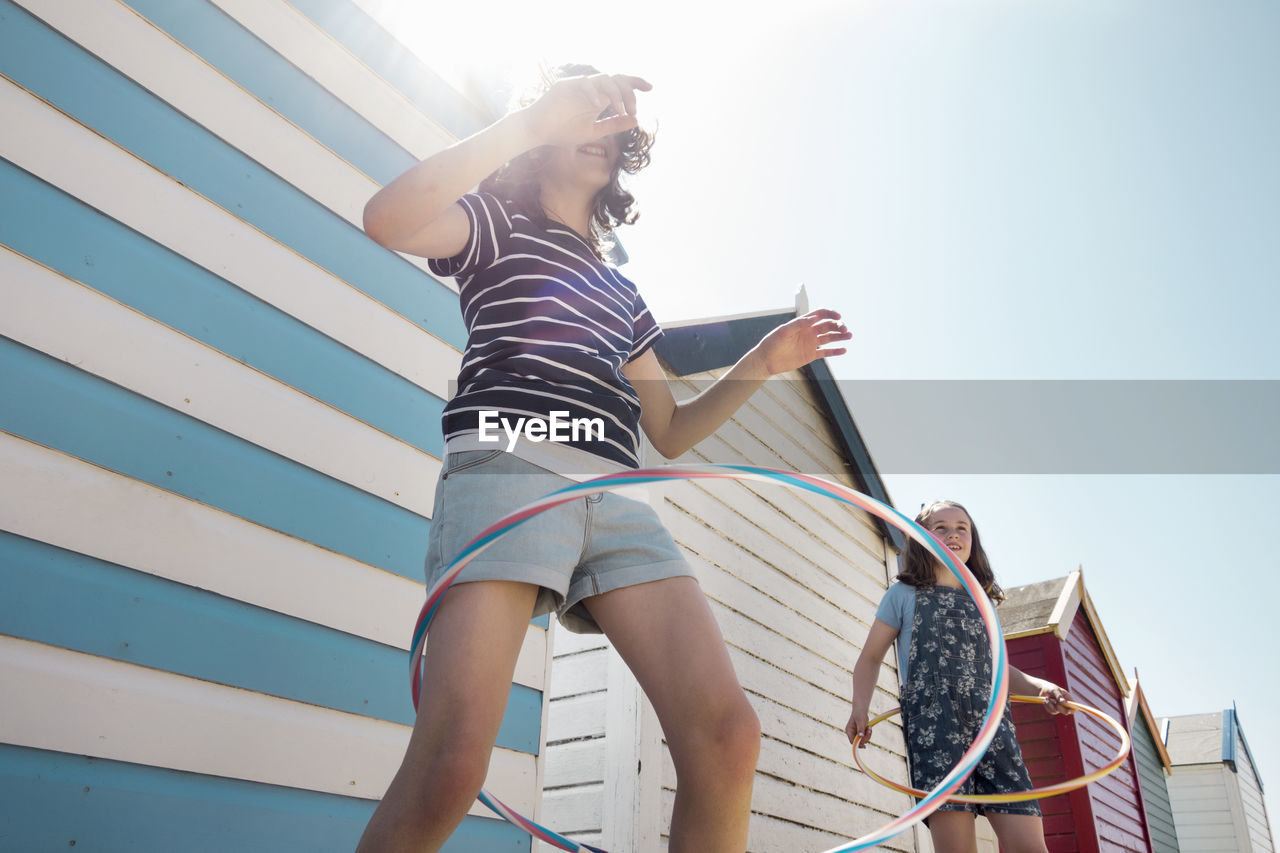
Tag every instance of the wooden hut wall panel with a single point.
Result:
(1117, 805)
(1155, 789)
(225, 457)
(1048, 748)
(1203, 809)
(1038, 734)
(577, 723)
(1255, 809)
(794, 580)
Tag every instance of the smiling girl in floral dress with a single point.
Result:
(946, 673)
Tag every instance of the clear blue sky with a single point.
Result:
(988, 190)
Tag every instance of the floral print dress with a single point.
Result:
(945, 698)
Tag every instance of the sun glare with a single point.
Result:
(496, 47)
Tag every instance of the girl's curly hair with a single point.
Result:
(918, 564)
(517, 181)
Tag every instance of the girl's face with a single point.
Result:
(589, 165)
(951, 526)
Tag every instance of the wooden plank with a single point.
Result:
(54, 498)
(573, 811)
(813, 774)
(760, 678)
(797, 398)
(106, 177)
(581, 674)
(831, 650)
(575, 717)
(813, 434)
(296, 38)
(766, 420)
(823, 735)
(708, 547)
(567, 643)
(77, 324)
(851, 579)
(842, 527)
(574, 763)
(749, 439)
(128, 42)
(754, 639)
(1118, 822)
(783, 445)
(87, 705)
(769, 834)
(791, 663)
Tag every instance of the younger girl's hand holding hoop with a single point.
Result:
(857, 725)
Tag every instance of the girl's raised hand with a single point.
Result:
(570, 112)
(802, 340)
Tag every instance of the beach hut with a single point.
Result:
(1154, 769)
(1054, 631)
(1216, 790)
(219, 434)
(794, 580)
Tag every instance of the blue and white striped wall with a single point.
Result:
(219, 428)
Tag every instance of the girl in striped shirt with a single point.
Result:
(558, 338)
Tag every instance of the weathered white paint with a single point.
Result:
(1254, 808)
(632, 765)
(1206, 809)
(83, 704)
(55, 498)
(106, 177)
(77, 324)
(294, 36)
(86, 705)
(122, 38)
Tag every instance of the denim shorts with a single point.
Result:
(586, 547)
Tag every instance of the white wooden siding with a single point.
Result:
(63, 318)
(294, 37)
(1252, 804)
(130, 43)
(83, 704)
(73, 702)
(198, 545)
(110, 179)
(1202, 797)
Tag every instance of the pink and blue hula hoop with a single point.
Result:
(802, 482)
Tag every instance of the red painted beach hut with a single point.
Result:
(1053, 631)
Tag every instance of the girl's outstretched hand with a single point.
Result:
(802, 340)
(580, 109)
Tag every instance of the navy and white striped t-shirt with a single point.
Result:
(549, 327)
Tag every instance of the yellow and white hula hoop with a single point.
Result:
(1034, 793)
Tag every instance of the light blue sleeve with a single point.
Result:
(898, 610)
(890, 611)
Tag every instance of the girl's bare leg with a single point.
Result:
(1019, 833)
(474, 640)
(953, 832)
(667, 635)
